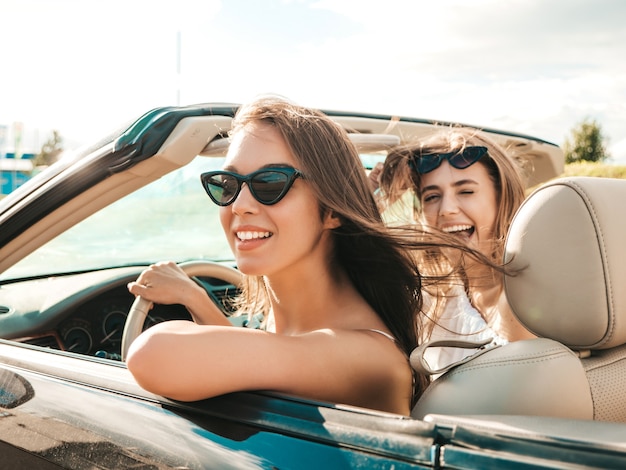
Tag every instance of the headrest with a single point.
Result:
(569, 240)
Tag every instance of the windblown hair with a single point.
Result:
(379, 260)
(383, 272)
(507, 175)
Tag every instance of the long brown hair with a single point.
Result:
(379, 260)
(507, 175)
(382, 271)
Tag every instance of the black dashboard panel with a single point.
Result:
(95, 327)
(85, 313)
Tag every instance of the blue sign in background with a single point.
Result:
(12, 179)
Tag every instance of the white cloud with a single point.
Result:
(530, 66)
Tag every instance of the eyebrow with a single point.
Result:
(232, 169)
(455, 184)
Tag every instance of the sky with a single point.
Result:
(537, 67)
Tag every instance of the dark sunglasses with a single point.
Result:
(268, 186)
(425, 163)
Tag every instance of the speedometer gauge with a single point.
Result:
(77, 337)
(113, 325)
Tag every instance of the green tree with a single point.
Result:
(586, 143)
(50, 150)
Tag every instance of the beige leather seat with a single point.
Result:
(570, 238)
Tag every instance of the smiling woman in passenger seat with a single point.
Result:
(470, 188)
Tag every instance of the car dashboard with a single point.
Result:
(85, 312)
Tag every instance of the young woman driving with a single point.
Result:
(338, 292)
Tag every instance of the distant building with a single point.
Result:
(14, 171)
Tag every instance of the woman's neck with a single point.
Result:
(484, 289)
(305, 303)
(486, 299)
(491, 302)
(299, 292)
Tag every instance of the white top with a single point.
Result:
(462, 322)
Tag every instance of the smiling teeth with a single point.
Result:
(457, 228)
(252, 235)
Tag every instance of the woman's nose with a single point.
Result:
(245, 201)
(448, 206)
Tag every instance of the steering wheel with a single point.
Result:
(140, 307)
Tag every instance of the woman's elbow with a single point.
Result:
(155, 368)
(142, 361)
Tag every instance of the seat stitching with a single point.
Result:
(467, 367)
(605, 259)
(589, 367)
(526, 355)
(509, 362)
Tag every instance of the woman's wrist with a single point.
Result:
(203, 310)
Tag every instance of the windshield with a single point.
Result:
(170, 219)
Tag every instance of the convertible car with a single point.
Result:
(74, 235)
